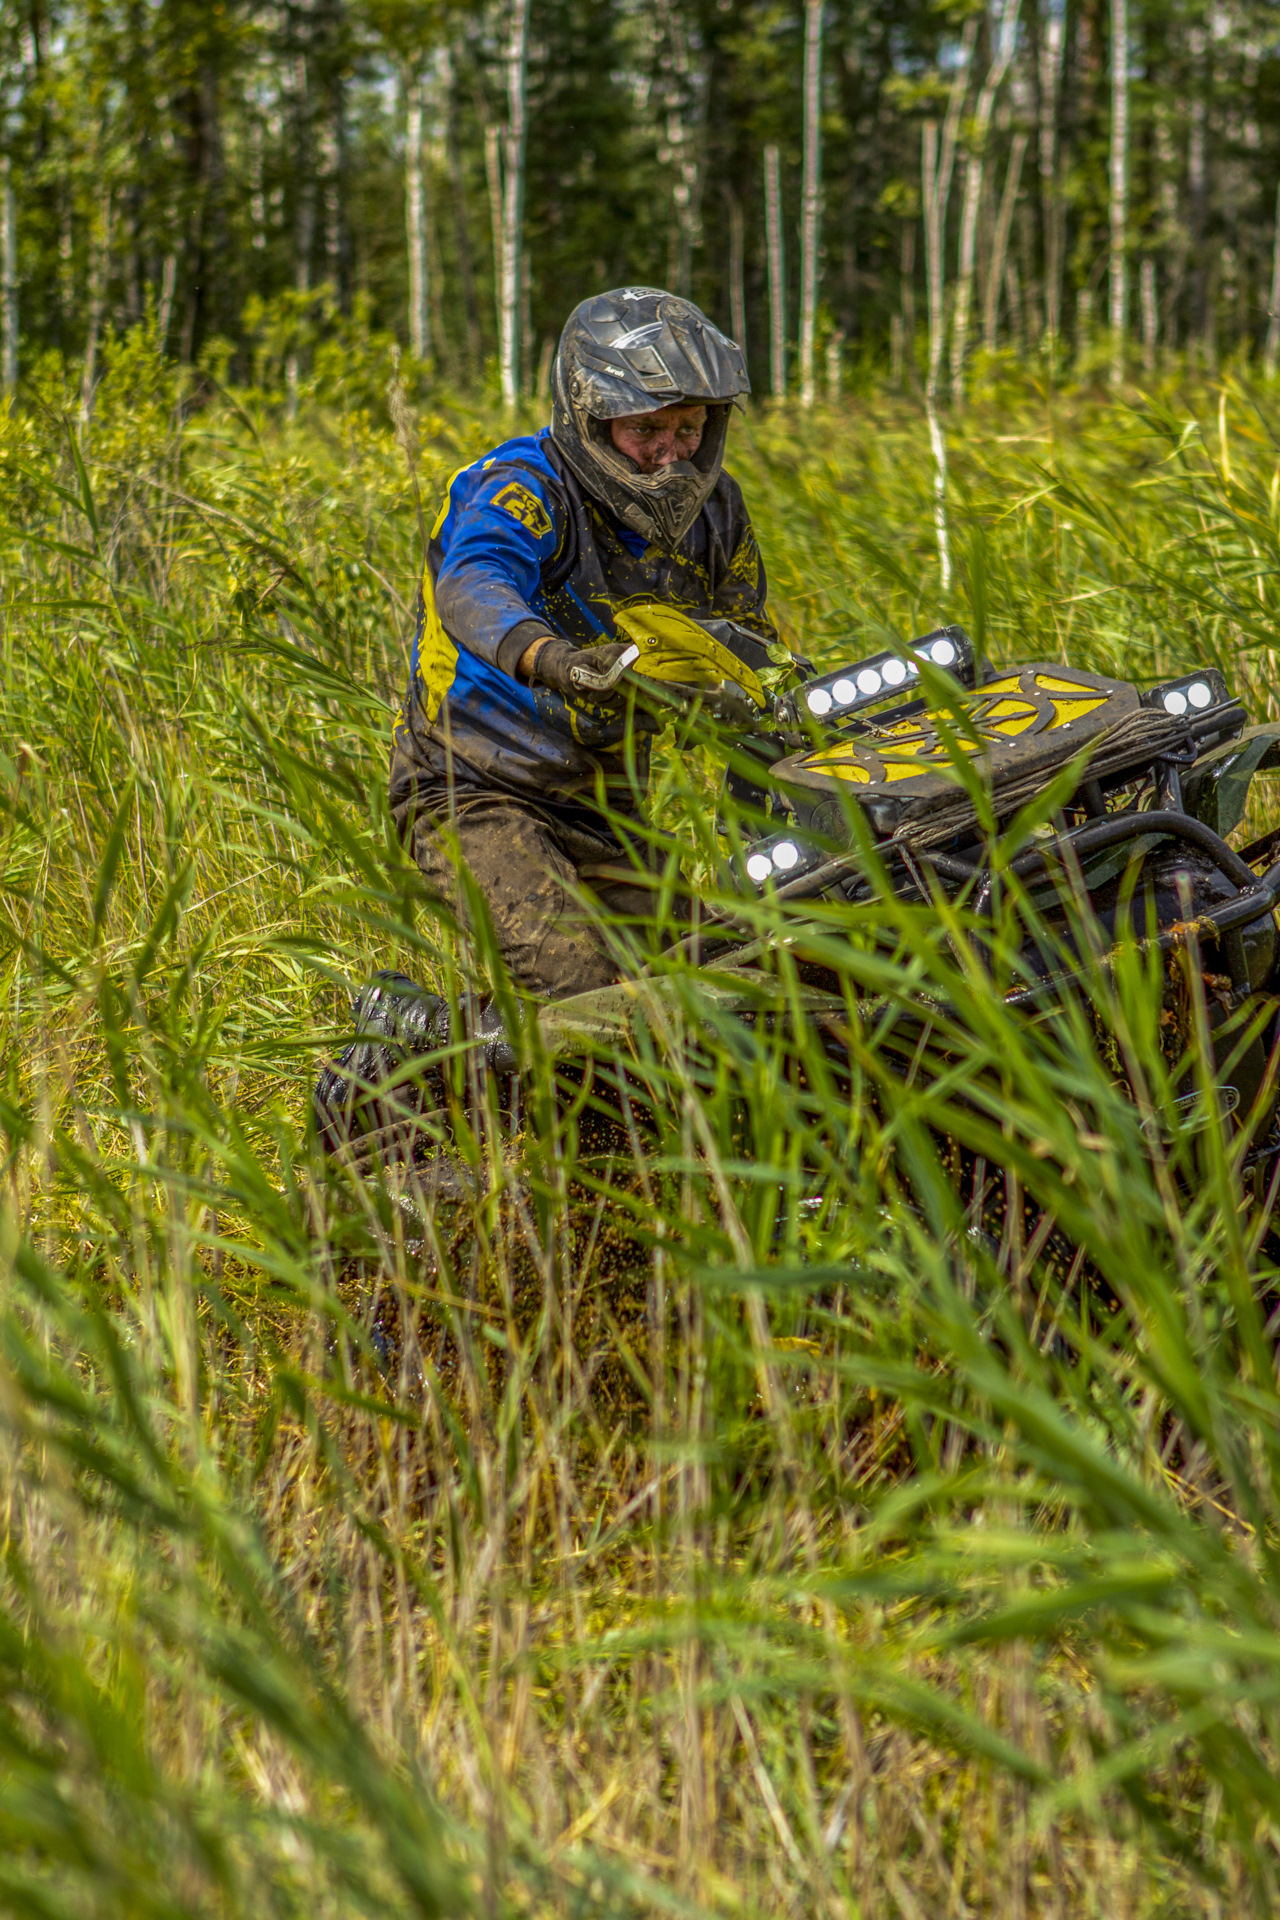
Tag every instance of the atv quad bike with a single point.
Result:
(896, 773)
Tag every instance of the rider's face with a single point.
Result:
(654, 440)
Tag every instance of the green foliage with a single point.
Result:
(763, 1512)
(187, 161)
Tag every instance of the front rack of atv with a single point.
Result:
(792, 868)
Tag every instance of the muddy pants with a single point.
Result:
(531, 862)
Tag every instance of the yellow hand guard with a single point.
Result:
(678, 652)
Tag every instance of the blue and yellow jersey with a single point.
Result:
(518, 550)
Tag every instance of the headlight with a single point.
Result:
(1192, 693)
(782, 857)
(849, 689)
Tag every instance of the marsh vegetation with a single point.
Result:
(724, 1526)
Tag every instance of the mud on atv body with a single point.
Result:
(865, 786)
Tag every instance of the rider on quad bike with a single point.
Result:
(520, 751)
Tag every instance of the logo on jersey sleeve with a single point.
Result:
(525, 507)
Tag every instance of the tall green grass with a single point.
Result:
(840, 1497)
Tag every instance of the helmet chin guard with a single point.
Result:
(632, 351)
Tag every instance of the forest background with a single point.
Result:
(829, 180)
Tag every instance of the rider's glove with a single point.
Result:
(584, 673)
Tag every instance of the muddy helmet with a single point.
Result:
(631, 351)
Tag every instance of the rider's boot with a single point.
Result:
(367, 1099)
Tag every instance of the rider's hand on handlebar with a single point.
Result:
(581, 673)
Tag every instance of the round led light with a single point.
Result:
(759, 866)
(819, 701)
(1199, 694)
(894, 673)
(785, 855)
(844, 692)
(942, 653)
(913, 668)
(1175, 702)
(869, 681)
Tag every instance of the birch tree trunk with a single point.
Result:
(461, 218)
(1273, 320)
(1119, 198)
(1198, 188)
(99, 271)
(933, 234)
(168, 288)
(415, 205)
(1000, 243)
(1050, 75)
(907, 289)
(332, 167)
(835, 351)
(811, 210)
(737, 276)
(304, 227)
(8, 277)
(513, 202)
(1150, 312)
(493, 180)
(937, 160)
(1006, 32)
(777, 286)
(684, 97)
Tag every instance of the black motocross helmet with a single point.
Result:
(631, 351)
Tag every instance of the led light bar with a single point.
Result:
(1194, 693)
(883, 675)
(782, 857)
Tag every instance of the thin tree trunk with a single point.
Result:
(415, 204)
(493, 180)
(461, 219)
(1198, 188)
(257, 187)
(513, 202)
(933, 265)
(168, 288)
(8, 276)
(683, 129)
(1173, 234)
(304, 224)
(1150, 312)
(835, 351)
(737, 276)
(1051, 45)
(937, 159)
(1119, 197)
(811, 208)
(66, 258)
(1006, 31)
(332, 145)
(1084, 324)
(1000, 243)
(99, 272)
(437, 332)
(1013, 294)
(777, 286)
(1273, 321)
(526, 322)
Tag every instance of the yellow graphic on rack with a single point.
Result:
(1027, 702)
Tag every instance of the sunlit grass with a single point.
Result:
(775, 1516)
